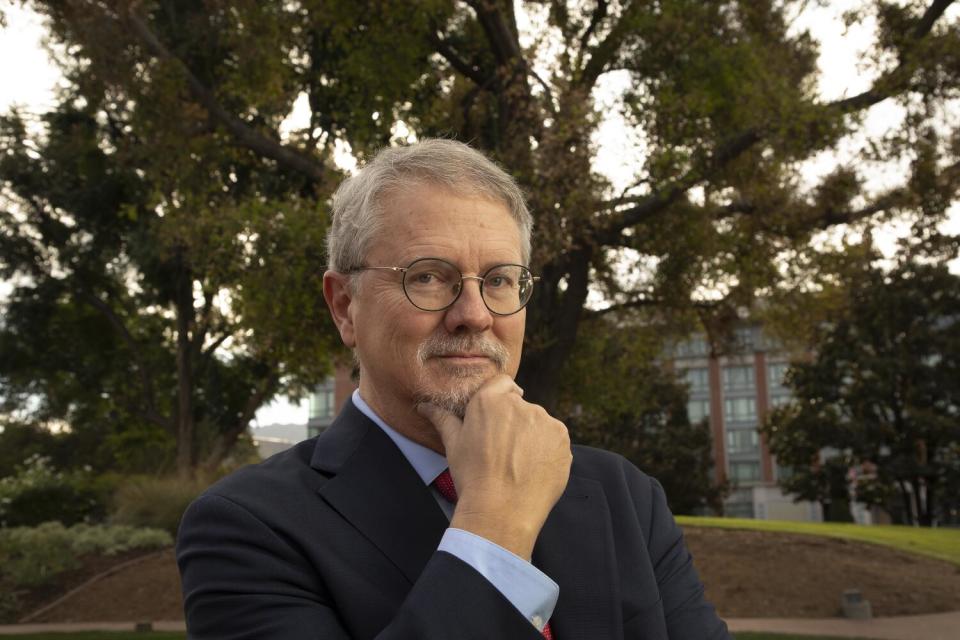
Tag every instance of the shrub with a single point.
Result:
(30, 556)
(39, 493)
(155, 502)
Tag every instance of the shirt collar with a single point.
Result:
(426, 462)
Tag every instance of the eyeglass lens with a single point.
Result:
(433, 284)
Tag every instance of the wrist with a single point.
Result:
(516, 535)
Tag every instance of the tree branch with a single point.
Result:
(653, 204)
(605, 51)
(244, 134)
(599, 13)
(146, 377)
(470, 71)
(227, 438)
(502, 40)
(196, 341)
(660, 199)
(888, 84)
(641, 303)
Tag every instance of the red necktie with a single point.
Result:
(446, 488)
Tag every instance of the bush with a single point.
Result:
(155, 502)
(39, 493)
(31, 556)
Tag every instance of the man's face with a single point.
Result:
(409, 355)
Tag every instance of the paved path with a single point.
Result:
(936, 626)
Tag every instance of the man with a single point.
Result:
(362, 532)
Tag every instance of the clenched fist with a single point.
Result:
(510, 461)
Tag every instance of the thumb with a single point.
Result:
(446, 422)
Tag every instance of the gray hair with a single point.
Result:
(358, 203)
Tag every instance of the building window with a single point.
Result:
(745, 471)
(784, 472)
(697, 410)
(743, 441)
(694, 347)
(698, 378)
(322, 403)
(740, 409)
(776, 373)
(746, 338)
(738, 378)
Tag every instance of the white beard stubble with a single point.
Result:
(462, 382)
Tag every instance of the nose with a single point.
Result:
(468, 313)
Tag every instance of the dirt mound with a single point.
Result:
(756, 574)
(748, 574)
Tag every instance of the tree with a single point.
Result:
(876, 409)
(617, 395)
(722, 94)
(130, 289)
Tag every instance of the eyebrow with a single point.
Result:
(484, 267)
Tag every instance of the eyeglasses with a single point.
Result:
(432, 284)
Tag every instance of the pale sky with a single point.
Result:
(28, 79)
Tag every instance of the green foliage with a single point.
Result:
(164, 216)
(18, 442)
(616, 396)
(876, 408)
(115, 262)
(152, 502)
(39, 493)
(31, 556)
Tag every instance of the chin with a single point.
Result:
(453, 392)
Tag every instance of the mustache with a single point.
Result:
(440, 344)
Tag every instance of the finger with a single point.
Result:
(445, 422)
(501, 384)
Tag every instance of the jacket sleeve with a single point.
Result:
(686, 610)
(241, 579)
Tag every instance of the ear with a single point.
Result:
(337, 293)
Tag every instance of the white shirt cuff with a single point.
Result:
(527, 588)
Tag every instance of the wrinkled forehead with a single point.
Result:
(392, 216)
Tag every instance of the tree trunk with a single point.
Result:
(908, 505)
(222, 447)
(185, 418)
(540, 372)
(226, 440)
(925, 503)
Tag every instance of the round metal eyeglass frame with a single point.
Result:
(526, 277)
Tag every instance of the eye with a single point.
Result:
(499, 281)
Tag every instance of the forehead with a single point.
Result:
(424, 220)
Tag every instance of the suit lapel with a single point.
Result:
(575, 549)
(378, 492)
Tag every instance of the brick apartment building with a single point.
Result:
(734, 392)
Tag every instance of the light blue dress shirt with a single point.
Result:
(530, 590)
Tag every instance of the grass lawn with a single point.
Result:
(937, 543)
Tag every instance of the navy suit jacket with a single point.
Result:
(337, 538)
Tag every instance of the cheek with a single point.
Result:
(398, 328)
(510, 333)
